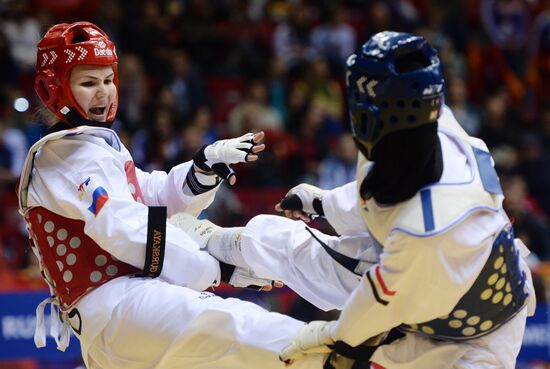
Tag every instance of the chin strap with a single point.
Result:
(75, 119)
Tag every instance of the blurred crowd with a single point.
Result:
(193, 71)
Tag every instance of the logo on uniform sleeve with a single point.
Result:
(82, 188)
(99, 198)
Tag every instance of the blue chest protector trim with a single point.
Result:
(496, 296)
(487, 172)
(427, 210)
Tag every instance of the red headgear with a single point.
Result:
(64, 46)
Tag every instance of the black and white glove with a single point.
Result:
(218, 156)
(303, 202)
(246, 278)
(314, 338)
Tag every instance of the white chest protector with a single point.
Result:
(437, 207)
(499, 291)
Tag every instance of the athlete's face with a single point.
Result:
(93, 89)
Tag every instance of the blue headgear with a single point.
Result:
(394, 82)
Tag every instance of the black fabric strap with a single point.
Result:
(226, 271)
(76, 121)
(156, 241)
(318, 206)
(59, 126)
(195, 185)
(345, 261)
(362, 353)
(200, 159)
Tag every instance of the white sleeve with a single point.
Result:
(417, 279)
(120, 225)
(341, 210)
(168, 189)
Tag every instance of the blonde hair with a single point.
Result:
(44, 115)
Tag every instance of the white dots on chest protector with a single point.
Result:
(95, 276)
(61, 249)
(111, 270)
(100, 260)
(71, 259)
(67, 276)
(74, 242)
(62, 234)
(49, 226)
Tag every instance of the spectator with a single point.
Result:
(202, 118)
(534, 166)
(498, 126)
(23, 33)
(291, 39)
(334, 39)
(253, 114)
(158, 145)
(13, 146)
(186, 84)
(325, 91)
(339, 167)
(539, 64)
(133, 90)
(532, 230)
(314, 139)
(507, 24)
(464, 111)
(8, 67)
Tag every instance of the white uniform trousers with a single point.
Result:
(158, 325)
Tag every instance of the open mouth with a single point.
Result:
(98, 110)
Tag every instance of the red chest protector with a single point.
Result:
(72, 263)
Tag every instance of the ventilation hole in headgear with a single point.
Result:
(411, 118)
(393, 119)
(400, 104)
(384, 104)
(79, 36)
(78, 39)
(415, 85)
(411, 62)
(416, 104)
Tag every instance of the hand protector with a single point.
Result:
(303, 201)
(246, 278)
(312, 338)
(217, 156)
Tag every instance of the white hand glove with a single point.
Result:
(246, 278)
(303, 201)
(313, 338)
(217, 156)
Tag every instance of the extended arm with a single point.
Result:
(339, 206)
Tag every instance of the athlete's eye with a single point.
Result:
(87, 84)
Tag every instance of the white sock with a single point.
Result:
(225, 245)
